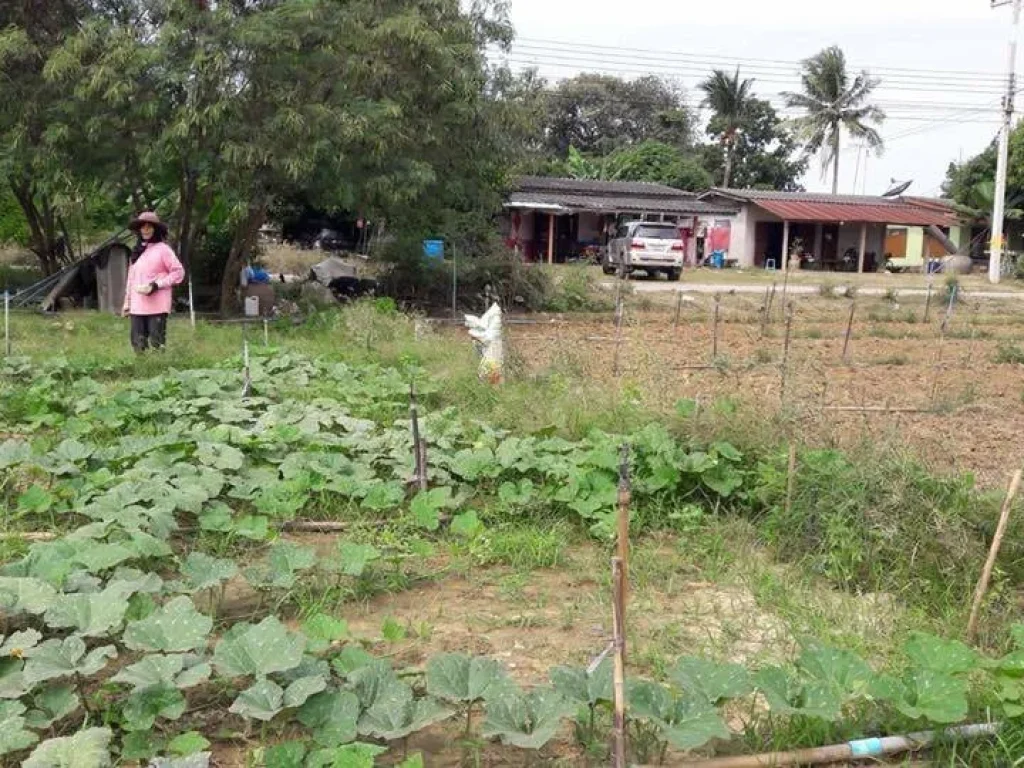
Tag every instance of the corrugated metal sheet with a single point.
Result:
(571, 203)
(877, 213)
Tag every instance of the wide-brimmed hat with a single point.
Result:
(148, 217)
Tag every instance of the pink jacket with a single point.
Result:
(156, 264)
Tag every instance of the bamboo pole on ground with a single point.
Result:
(849, 332)
(997, 542)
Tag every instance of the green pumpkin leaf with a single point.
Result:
(580, 686)
(63, 658)
(349, 756)
(86, 749)
(204, 572)
(395, 712)
(925, 694)
(321, 630)
(710, 681)
(353, 557)
(261, 701)
(188, 743)
(296, 694)
(14, 736)
(150, 671)
(220, 456)
(19, 642)
(527, 721)
(461, 678)
(290, 754)
(145, 706)
(427, 505)
(91, 615)
(52, 704)
(258, 650)
(28, 595)
(332, 716)
(936, 654)
(788, 695)
(175, 627)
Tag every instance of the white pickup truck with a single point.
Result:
(645, 245)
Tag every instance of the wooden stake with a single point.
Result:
(679, 308)
(765, 310)
(997, 542)
(928, 301)
(873, 409)
(785, 282)
(266, 333)
(849, 332)
(625, 499)
(246, 378)
(619, 644)
(7, 322)
(790, 478)
(949, 309)
(191, 302)
(418, 448)
(785, 353)
(771, 301)
(714, 330)
(618, 333)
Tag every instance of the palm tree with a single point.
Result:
(729, 98)
(831, 103)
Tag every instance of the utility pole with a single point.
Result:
(999, 208)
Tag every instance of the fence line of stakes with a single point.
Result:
(785, 354)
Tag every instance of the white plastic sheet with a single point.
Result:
(486, 332)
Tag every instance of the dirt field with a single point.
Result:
(955, 399)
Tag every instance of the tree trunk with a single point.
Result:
(835, 160)
(241, 247)
(43, 239)
(728, 164)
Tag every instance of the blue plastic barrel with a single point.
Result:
(433, 249)
(718, 259)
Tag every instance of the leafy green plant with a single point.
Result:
(465, 680)
(529, 720)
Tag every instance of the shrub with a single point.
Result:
(1009, 353)
(575, 289)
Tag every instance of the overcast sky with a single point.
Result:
(941, 63)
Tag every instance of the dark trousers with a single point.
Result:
(149, 331)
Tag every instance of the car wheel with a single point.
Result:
(673, 274)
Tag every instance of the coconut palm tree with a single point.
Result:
(729, 98)
(832, 102)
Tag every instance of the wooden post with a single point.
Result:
(7, 322)
(714, 331)
(928, 299)
(191, 302)
(551, 238)
(619, 644)
(785, 246)
(679, 308)
(849, 332)
(625, 499)
(418, 447)
(246, 378)
(997, 541)
(455, 284)
(790, 478)
(266, 332)
(785, 353)
(764, 312)
(619, 311)
(819, 242)
(771, 299)
(863, 248)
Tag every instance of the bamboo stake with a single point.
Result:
(266, 332)
(785, 284)
(949, 309)
(714, 331)
(7, 322)
(785, 353)
(419, 450)
(790, 478)
(625, 499)
(619, 643)
(849, 332)
(679, 307)
(873, 409)
(246, 378)
(191, 302)
(764, 312)
(997, 542)
(928, 300)
(771, 301)
(618, 333)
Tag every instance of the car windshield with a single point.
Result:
(649, 232)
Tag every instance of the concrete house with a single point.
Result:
(554, 220)
(830, 232)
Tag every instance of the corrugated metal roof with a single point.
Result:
(571, 203)
(756, 195)
(596, 187)
(886, 212)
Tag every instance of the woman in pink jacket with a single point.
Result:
(154, 270)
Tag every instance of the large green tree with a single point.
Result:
(833, 101)
(765, 154)
(652, 161)
(598, 114)
(729, 98)
(366, 105)
(30, 118)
